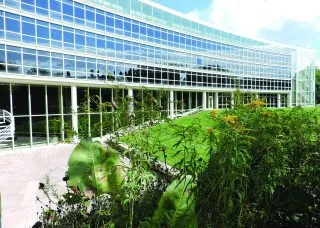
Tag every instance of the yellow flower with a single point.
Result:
(255, 104)
(211, 131)
(266, 114)
(214, 113)
(231, 119)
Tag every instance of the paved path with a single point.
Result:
(21, 171)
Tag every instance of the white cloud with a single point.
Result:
(293, 22)
(250, 17)
(197, 14)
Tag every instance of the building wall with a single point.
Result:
(55, 53)
(125, 50)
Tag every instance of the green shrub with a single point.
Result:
(264, 169)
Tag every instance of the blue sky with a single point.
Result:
(293, 22)
(184, 5)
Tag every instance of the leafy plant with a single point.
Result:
(254, 172)
(176, 206)
(55, 126)
(95, 168)
(74, 208)
(263, 169)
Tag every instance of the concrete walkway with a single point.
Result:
(21, 171)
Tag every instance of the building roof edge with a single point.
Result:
(180, 14)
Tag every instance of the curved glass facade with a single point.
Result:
(220, 64)
(132, 43)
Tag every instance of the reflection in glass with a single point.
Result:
(39, 130)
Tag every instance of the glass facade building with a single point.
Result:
(54, 53)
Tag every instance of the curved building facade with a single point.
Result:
(56, 53)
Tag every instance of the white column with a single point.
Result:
(113, 121)
(232, 100)
(47, 113)
(175, 104)
(190, 101)
(279, 100)
(74, 110)
(257, 96)
(171, 104)
(168, 104)
(216, 100)
(89, 113)
(101, 119)
(204, 100)
(196, 99)
(30, 118)
(182, 101)
(60, 95)
(11, 111)
(130, 95)
(289, 100)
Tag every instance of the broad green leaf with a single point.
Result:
(93, 167)
(176, 206)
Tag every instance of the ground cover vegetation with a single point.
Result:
(248, 166)
(166, 137)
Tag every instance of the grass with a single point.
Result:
(166, 135)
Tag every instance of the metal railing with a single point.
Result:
(187, 112)
(6, 126)
(0, 212)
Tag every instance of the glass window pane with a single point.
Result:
(55, 5)
(91, 41)
(119, 23)
(80, 39)
(135, 28)
(127, 26)
(68, 37)
(31, 2)
(110, 21)
(28, 29)
(1, 23)
(27, 5)
(67, 9)
(29, 60)
(79, 13)
(14, 58)
(100, 18)
(69, 64)
(81, 66)
(2, 61)
(143, 30)
(12, 25)
(43, 32)
(56, 33)
(42, 3)
(43, 62)
(57, 63)
(90, 16)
